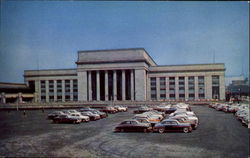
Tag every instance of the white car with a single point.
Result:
(121, 108)
(79, 116)
(190, 117)
(153, 114)
(180, 112)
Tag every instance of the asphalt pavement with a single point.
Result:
(219, 134)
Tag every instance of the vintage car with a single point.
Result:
(55, 114)
(66, 119)
(184, 119)
(91, 115)
(172, 125)
(121, 108)
(102, 114)
(193, 120)
(145, 120)
(162, 108)
(145, 116)
(142, 109)
(190, 113)
(109, 109)
(233, 108)
(219, 107)
(133, 126)
(83, 118)
(225, 107)
(153, 114)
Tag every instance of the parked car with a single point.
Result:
(121, 108)
(133, 126)
(55, 114)
(91, 115)
(193, 120)
(184, 119)
(102, 114)
(142, 109)
(109, 109)
(79, 116)
(66, 119)
(145, 116)
(219, 107)
(145, 120)
(172, 125)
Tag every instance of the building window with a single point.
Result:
(191, 89)
(201, 87)
(215, 86)
(181, 87)
(153, 88)
(75, 90)
(172, 87)
(59, 90)
(162, 88)
(67, 90)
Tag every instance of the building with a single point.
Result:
(16, 93)
(237, 88)
(126, 74)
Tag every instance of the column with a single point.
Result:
(114, 85)
(186, 88)
(176, 87)
(55, 90)
(123, 86)
(140, 85)
(63, 90)
(196, 88)
(106, 86)
(132, 84)
(208, 87)
(222, 86)
(37, 91)
(47, 90)
(90, 85)
(82, 84)
(158, 88)
(167, 87)
(3, 98)
(71, 89)
(97, 85)
(20, 99)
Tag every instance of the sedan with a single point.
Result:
(66, 119)
(172, 125)
(133, 126)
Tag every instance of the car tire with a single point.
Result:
(161, 130)
(145, 130)
(185, 130)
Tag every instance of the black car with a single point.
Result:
(55, 114)
(172, 125)
(133, 126)
(66, 119)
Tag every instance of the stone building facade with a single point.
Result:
(126, 75)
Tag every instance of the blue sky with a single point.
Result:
(48, 34)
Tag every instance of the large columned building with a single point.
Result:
(126, 75)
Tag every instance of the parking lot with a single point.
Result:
(219, 134)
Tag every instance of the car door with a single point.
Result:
(175, 126)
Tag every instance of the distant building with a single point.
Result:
(16, 92)
(237, 88)
(126, 75)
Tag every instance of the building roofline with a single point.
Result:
(119, 49)
(12, 83)
(51, 69)
(190, 64)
